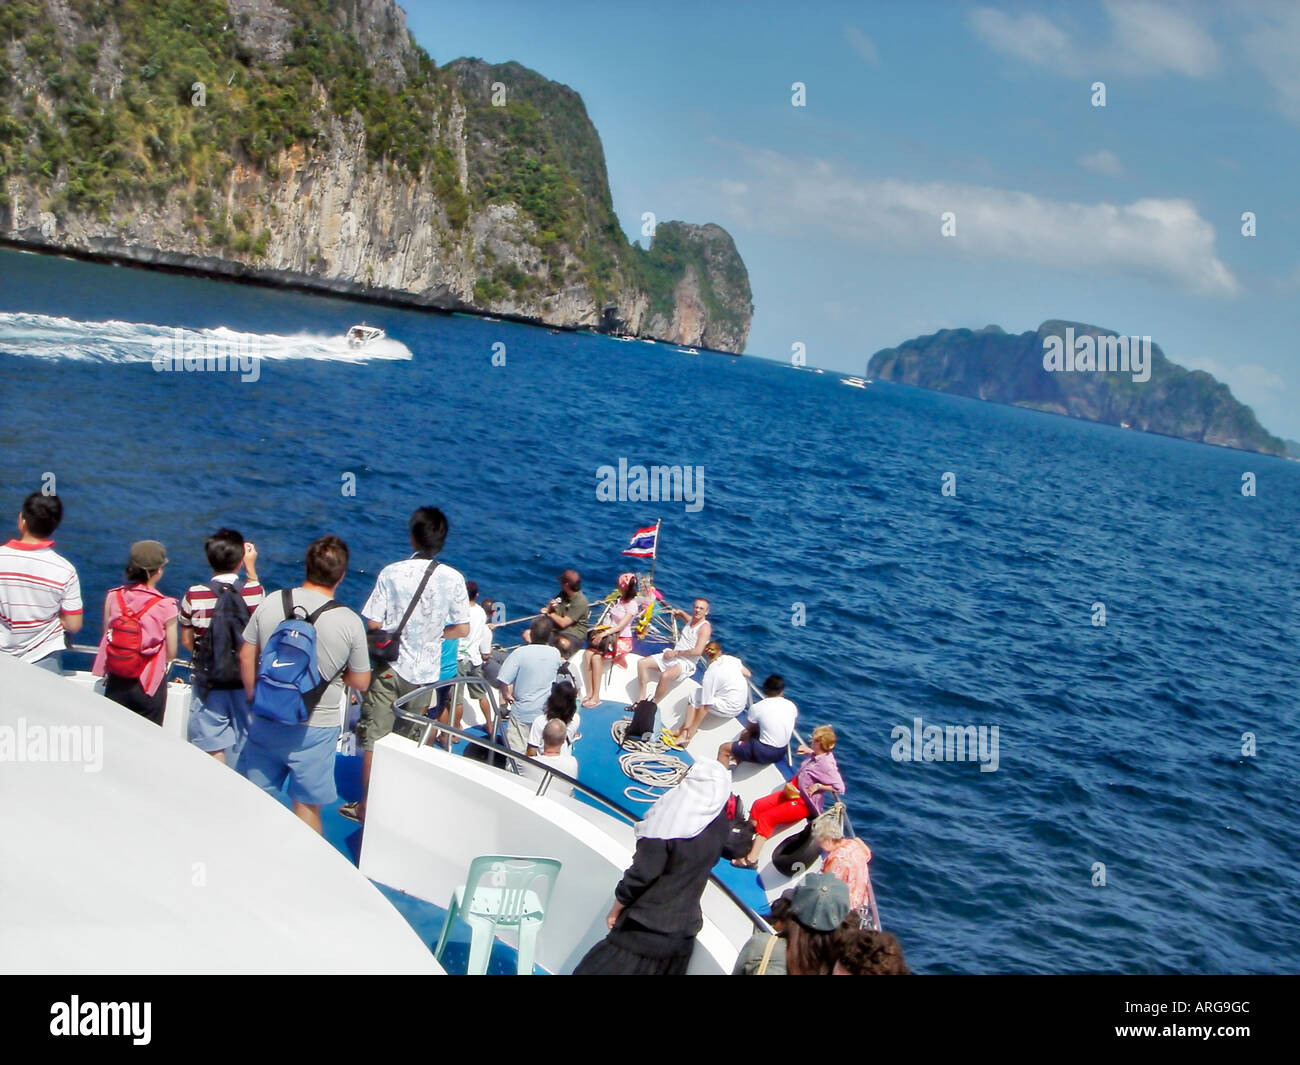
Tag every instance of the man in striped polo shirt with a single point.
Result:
(40, 595)
(219, 716)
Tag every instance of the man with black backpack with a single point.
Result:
(213, 617)
(302, 651)
(417, 604)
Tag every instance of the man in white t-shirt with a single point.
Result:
(723, 691)
(441, 613)
(771, 726)
(40, 595)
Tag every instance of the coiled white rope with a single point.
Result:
(648, 763)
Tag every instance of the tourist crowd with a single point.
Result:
(272, 675)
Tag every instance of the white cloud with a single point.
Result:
(1102, 161)
(1028, 36)
(1162, 239)
(1144, 38)
(1160, 37)
(862, 44)
(1273, 45)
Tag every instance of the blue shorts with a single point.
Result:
(219, 721)
(303, 754)
(753, 751)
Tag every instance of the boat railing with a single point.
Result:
(430, 726)
(177, 669)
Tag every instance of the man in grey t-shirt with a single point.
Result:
(304, 754)
(527, 675)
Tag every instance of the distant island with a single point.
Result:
(316, 145)
(1056, 369)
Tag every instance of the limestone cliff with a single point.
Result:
(291, 141)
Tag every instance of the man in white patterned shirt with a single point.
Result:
(40, 596)
(442, 613)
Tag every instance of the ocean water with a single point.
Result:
(1119, 744)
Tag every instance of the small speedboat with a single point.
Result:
(854, 382)
(647, 340)
(361, 335)
(689, 351)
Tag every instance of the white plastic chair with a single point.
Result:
(503, 891)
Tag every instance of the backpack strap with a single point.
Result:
(410, 607)
(136, 616)
(311, 618)
(767, 956)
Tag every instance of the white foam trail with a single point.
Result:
(48, 337)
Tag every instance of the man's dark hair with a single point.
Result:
(471, 590)
(225, 550)
(774, 685)
(428, 530)
(327, 561)
(540, 630)
(42, 514)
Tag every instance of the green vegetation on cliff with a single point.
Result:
(152, 123)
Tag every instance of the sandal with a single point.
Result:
(351, 811)
(744, 863)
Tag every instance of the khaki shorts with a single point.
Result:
(377, 717)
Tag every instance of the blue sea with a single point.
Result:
(1124, 829)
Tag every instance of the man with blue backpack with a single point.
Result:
(302, 651)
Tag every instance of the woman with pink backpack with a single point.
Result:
(140, 635)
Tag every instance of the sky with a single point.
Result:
(1127, 216)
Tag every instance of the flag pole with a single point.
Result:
(655, 556)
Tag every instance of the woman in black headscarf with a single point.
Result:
(656, 913)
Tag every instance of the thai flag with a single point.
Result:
(643, 543)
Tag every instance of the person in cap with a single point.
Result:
(140, 635)
(612, 641)
(818, 907)
(656, 913)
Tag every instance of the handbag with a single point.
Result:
(386, 644)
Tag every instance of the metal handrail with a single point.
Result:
(183, 664)
(429, 725)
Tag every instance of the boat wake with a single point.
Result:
(43, 336)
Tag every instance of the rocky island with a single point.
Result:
(293, 142)
(1151, 393)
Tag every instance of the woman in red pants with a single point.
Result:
(800, 798)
